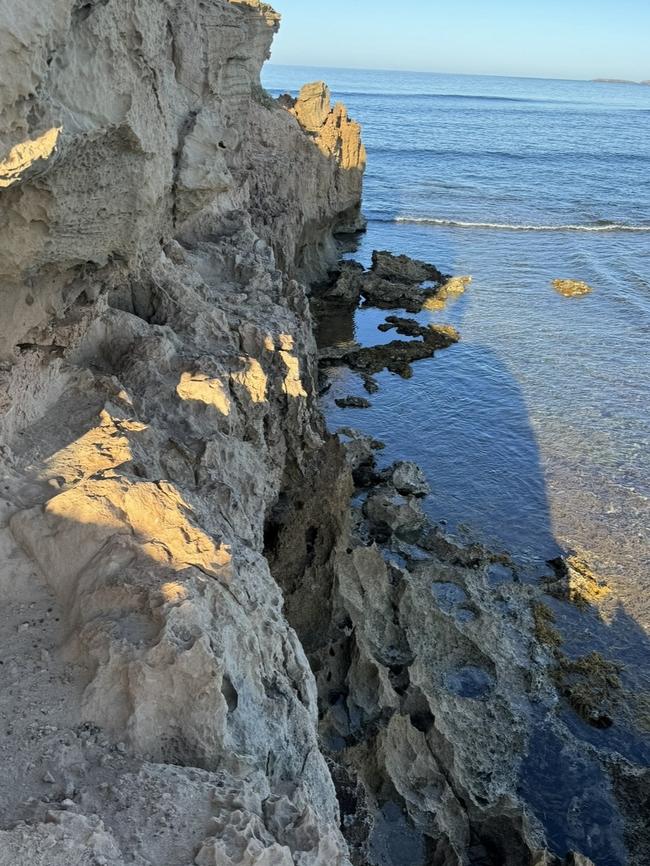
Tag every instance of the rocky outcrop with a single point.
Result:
(157, 380)
(391, 282)
(114, 138)
(397, 355)
(432, 684)
(571, 288)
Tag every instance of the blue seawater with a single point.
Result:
(535, 429)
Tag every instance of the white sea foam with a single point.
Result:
(516, 227)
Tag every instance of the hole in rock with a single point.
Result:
(272, 531)
(310, 544)
(422, 722)
(230, 694)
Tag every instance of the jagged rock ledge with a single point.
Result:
(157, 385)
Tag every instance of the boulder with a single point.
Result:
(392, 512)
(409, 479)
(403, 269)
(352, 403)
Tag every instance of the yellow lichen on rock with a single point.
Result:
(575, 581)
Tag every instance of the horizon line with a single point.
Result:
(601, 80)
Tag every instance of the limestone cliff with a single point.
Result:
(206, 656)
(157, 378)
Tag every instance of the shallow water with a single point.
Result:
(534, 430)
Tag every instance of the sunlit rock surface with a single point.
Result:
(157, 377)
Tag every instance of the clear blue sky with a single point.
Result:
(554, 38)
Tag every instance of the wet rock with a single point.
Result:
(571, 288)
(403, 269)
(575, 581)
(387, 295)
(346, 289)
(392, 282)
(352, 403)
(454, 286)
(369, 383)
(469, 682)
(404, 327)
(409, 479)
(392, 512)
(396, 356)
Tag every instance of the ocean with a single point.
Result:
(534, 430)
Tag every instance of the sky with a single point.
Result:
(546, 38)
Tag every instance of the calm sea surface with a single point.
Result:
(535, 429)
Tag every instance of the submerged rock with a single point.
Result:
(571, 288)
(369, 383)
(454, 286)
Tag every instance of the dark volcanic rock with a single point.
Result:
(398, 355)
(392, 282)
(403, 269)
(405, 327)
(352, 403)
(387, 295)
(346, 288)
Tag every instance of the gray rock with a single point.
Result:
(409, 479)
(394, 512)
(353, 403)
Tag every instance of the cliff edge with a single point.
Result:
(157, 376)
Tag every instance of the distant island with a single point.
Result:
(617, 81)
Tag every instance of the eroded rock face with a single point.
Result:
(157, 380)
(113, 137)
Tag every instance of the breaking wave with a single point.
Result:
(520, 227)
